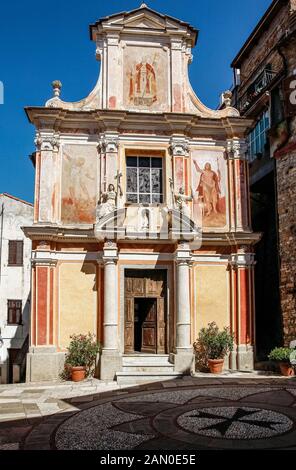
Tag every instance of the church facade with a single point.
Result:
(141, 230)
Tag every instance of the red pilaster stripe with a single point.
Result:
(244, 307)
(51, 307)
(41, 305)
(235, 309)
(33, 338)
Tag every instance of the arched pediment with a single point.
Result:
(174, 225)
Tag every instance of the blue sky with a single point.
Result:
(44, 41)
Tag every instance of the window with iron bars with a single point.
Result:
(144, 180)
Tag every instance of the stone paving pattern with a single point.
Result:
(201, 412)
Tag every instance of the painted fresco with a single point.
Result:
(209, 188)
(145, 81)
(79, 184)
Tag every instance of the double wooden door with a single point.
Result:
(145, 316)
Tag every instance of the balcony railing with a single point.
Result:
(256, 89)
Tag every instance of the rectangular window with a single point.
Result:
(257, 138)
(15, 252)
(14, 312)
(144, 180)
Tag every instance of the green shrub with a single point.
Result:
(213, 343)
(280, 354)
(82, 351)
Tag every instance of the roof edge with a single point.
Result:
(125, 13)
(266, 19)
(16, 199)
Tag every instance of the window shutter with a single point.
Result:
(15, 252)
(12, 252)
(14, 312)
(19, 252)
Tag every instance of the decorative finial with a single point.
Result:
(227, 96)
(56, 85)
(143, 5)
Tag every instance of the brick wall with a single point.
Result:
(286, 187)
(261, 52)
(286, 183)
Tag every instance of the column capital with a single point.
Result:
(47, 142)
(108, 143)
(110, 252)
(183, 253)
(237, 149)
(45, 262)
(242, 260)
(179, 147)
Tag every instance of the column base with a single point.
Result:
(184, 361)
(242, 358)
(110, 363)
(44, 363)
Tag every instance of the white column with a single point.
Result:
(110, 304)
(183, 306)
(110, 362)
(183, 359)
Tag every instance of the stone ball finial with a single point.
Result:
(227, 96)
(143, 5)
(56, 85)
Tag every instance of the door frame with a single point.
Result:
(165, 266)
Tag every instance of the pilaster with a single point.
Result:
(242, 310)
(239, 185)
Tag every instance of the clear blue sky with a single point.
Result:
(43, 41)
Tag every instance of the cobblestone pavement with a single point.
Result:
(224, 412)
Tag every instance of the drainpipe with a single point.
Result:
(1, 238)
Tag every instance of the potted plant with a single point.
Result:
(212, 345)
(81, 356)
(283, 357)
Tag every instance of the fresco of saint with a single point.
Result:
(142, 89)
(209, 192)
(208, 188)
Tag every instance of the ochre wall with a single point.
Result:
(77, 300)
(211, 296)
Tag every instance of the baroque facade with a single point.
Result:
(141, 230)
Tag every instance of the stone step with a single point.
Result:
(134, 378)
(140, 367)
(146, 359)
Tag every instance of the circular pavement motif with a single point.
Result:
(185, 418)
(235, 423)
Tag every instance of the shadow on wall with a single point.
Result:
(16, 347)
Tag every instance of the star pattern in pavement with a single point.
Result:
(225, 422)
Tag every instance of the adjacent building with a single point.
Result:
(264, 90)
(15, 272)
(142, 231)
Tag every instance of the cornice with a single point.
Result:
(120, 121)
(86, 235)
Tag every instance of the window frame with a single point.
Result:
(16, 263)
(150, 167)
(15, 310)
(257, 138)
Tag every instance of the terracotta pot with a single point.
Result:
(286, 369)
(216, 365)
(78, 373)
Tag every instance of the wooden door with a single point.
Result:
(145, 329)
(161, 326)
(129, 325)
(149, 326)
